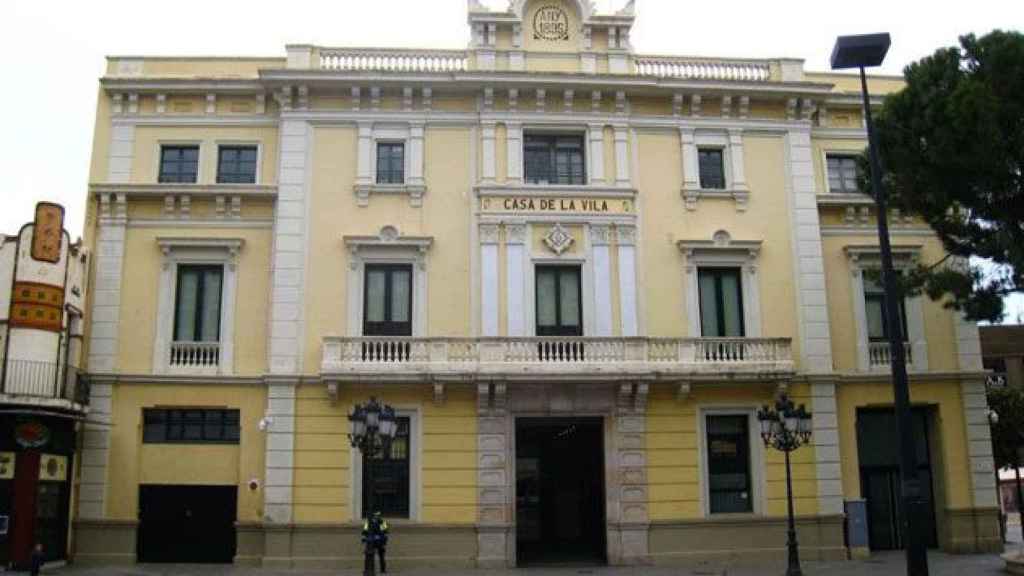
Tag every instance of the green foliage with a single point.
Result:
(1008, 430)
(952, 149)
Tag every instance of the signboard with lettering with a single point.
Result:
(554, 205)
(48, 233)
(551, 23)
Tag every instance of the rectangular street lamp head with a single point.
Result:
(863, 50)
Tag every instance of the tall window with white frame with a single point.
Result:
(179, 164)
(877, 312)
(390, 163)
(842, 173)
(712, 168)
(197, 312)
(554, 159)
(730, 485)
(385, 478)
(721, 303)
(387, 300)
(559, 303)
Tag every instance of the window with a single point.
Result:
(728, 457)
(559, 305)
(390, 163)
(236, 165)
(385, 479)
(721, 303)
(842, 174)
(712, 168)
(877, 317)
(190, 426)
(553, 159)
(387, 302)
(179, 164)
(198, 303)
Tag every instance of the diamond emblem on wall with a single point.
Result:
(558, 239)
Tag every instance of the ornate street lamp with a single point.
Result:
(371, 428)
(860, 52)
(786, 427)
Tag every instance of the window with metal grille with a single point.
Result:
(721, 302)
(197, 303)
(390, 163)
(386, 476)
(179, 164)
(559, 305)
(554, 159)
(712, 168)
(729, 478)
(190, 426)
(387, 301)
(236, 165)
(842, 174)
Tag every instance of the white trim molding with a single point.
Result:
(411, 135)
(863, 258)
(730, 142)
(723, 251)
(213, 251)
(415, 416)
(758, 478)
(979, 442)
(388, 247)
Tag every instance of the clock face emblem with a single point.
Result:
(551, 23)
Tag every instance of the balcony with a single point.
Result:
(44, 384)
(581, 359)
(880, 355)
(194, 358)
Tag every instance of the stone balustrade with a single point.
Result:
(880, 355)
(194, 357)
(586, 358)
(704, 68)
(393, 60)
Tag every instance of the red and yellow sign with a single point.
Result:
(48, 232)
(38, 306)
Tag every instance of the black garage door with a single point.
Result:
(187, 524)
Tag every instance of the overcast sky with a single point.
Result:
(52, 54)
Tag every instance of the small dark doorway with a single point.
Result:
(878, 452)
(187, 524)
(560, 499)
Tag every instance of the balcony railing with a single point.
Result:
(393, 60)
(44, 381)
(880, 355)
(368, 356)
(194, 357)
(703, 68)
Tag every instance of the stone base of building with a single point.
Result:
(743, 541)
(105, 542)
(971, 531)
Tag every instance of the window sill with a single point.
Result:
(415, 192)
(591, 190)
(845, 199)
(691, 196)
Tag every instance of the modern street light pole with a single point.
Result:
(372, 427)
(860, 52)
(786, 428)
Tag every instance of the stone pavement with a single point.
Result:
(884, 564)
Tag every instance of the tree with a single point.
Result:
(952, 147)
(1008, 433)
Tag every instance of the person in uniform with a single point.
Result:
(375, 538)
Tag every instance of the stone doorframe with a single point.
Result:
(622, 407)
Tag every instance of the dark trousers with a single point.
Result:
(368, 559)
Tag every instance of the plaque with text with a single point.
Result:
(48, 232)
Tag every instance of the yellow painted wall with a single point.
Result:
(133, 463)
(139, 296)
(945, 396)
(448, 452)
(674, 461)
(145, 165)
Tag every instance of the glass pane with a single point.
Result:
(190, 154)
(875, 310)
(546, 298)
(213, 425)
(375, 293)
(185, 312)
(728, 452)
(210, 328)
(400, 290)
(155, 426)
(569, 287)
(193, 425)
(708, 306)
(732, 304)
(175, 425)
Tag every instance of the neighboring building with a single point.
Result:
(1002, 351)
(43, 397)
(575, 271)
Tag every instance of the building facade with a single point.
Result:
(43, 397)
(575, 272)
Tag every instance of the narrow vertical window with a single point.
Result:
(877, 312)
(728, 456)
(721, 303)
(387, 301)
(386, 476)
(390, 163)
(712, 168)
(236, 165)
(842, 174)
(198, 303)
(559, 305)
(179, 164)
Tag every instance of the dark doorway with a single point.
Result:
(880, 475)
(560, 499)
(187, 524)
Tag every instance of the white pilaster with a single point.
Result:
(514, 151)
(979, 442)
(416, 134)
(280, 430)
(968, 344)
(691, 172)
(826, 448)
(489, 278)
(596, 161)
(515, 276)
(622, 156)
(364, 160)
(627, 280)
(92, 494)
(739, 173)
(489, 166)
(599, 241)
(812, 306)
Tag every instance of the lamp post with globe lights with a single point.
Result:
(786, 427)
